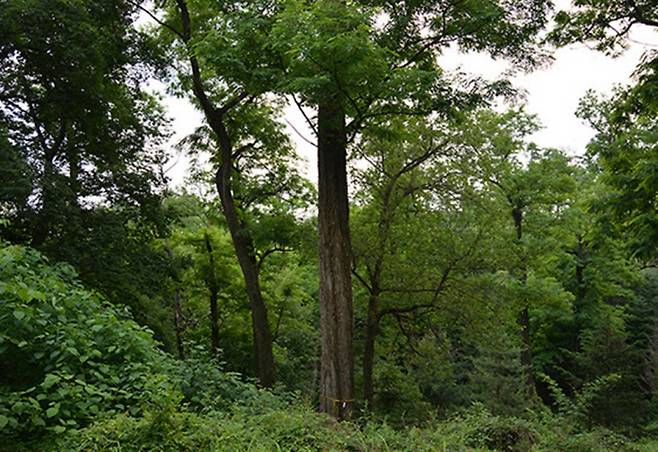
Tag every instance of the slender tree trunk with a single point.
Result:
(581, 256)
(524, 315)
(42, 225)
(242, 241)
(244, 249)
(373, 318)
(386, 216)
(178, 324)
(526, 351)
(336, 317)
(372, 330)
(178, 310)
(213, 288)
(214, 323)
(581, 291)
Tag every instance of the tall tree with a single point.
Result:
(538, 188)
(360, 62)
(413, 170)
(626, 152)
(209, 39)
(626, 126)
(80, 145)
(224, 63)
(73, 110)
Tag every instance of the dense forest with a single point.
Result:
(446, 283)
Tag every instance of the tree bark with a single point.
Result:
(524, 315)
(581, 285)
(336, 317)
(179, 328)
(244, 249)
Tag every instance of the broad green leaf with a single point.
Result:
(20, 315)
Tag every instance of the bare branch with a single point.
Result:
(300, 134)
(308, 120)
(361, 280)
(156, 18)
(269, 252)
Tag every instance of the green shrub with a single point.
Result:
(166, 426)
(207, 387)
(66, 356)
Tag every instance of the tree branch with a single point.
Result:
(156, 19)
(269, 252)
(361, 280)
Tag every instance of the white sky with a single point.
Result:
(553, 94)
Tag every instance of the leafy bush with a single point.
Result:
(206, 387)
(287, 429)
(66, 356)
(166, 426)
(581, 407)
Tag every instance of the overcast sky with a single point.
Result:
(552, 93)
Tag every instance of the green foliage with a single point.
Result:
(606, 24)
(496, 380)
(625, 148)
(79, 144)
(625, 124)
(581, 407)
(299, 428)
(73, 110)
(67, 356)
(459, 224)
(205, 387)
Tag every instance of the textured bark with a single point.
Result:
(336, 317)
(240, 236)
(524, 315)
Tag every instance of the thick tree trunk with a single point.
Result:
(336, 317)
(524, 315)
(372, 330)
